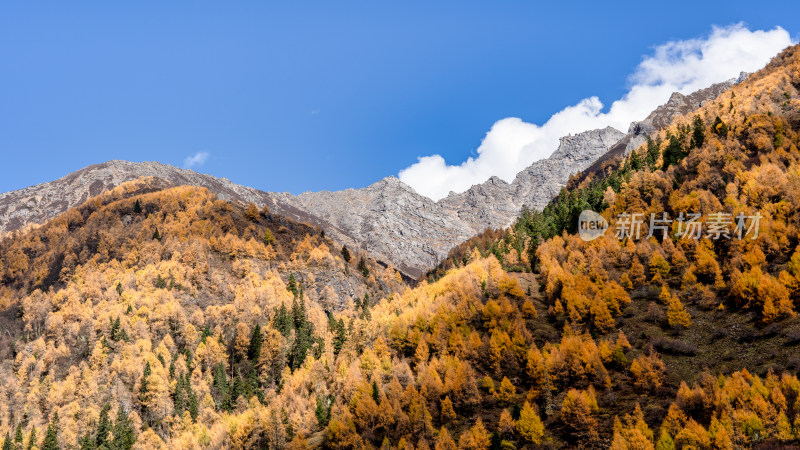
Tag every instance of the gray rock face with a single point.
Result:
(394, 223)
(388, 219)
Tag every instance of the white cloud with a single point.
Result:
(683, 66)
(196, 160)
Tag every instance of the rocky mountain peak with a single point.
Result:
(388, 219)
(587, 145)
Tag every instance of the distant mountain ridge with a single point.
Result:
(387, 219)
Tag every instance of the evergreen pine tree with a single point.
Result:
(238, 389)
(86, 442)
(376, 395)
(698, 132)
(51, 437)
(365, 312)
(103, 426)
(124, 437)
(18, 437)
(205, 334)
(7, 442)
(222, 387)
(291, 285)
(304, 335)
(323, 412)
(114, 329)
(362, 267)
(282, 322)
(673, 152)
(719, 127)
(253, 384)
(345, 254)
(653, 152)
(339, 337)
(137, 207)
(143, 386)
(256, 340)
(179, 397)
(635, 160)
(193, 403)
(156, 235)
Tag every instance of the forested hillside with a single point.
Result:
(724, 298)
(151, 310)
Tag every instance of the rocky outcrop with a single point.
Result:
(387, 219)
(496, 203)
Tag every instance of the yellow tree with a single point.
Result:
(530, 425)
(507, 424)
(242, 341)
(444, 441)
(467, 441)
(677, 316)
(648, 371)
(506, 391)
(480, 435)
(448, 413)
(577, 412)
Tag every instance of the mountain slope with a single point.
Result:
(661, 117)
(121, 311)
(724, 301)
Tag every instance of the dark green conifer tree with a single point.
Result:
(222, 387)
(291, 285)
(51, 437)
(18, 436)
(124, 436)
(256, 341)
(698, 132)
(339, 336)
(143, 386)
(103, 426)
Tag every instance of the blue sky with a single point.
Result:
(296, 96)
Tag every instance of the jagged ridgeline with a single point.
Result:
(156, 316)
